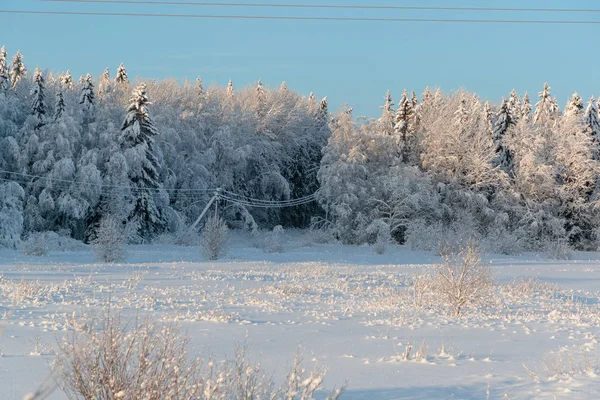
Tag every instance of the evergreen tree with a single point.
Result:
(18, 70)
(461, 115)
(414, 99)
(104, 84)
(87, 93)
(121, 77)
(404, 126)
(545, 108)
(230, 89)
(574, 106)
(526, 108)
(592, 122)
(427, 96)
(387, 116)
(283, 88)
(59, 108)
(39, 103)
(260, 103)
(504, 122)
(488, 116)
(67, 80)
(200, 89)
(514, 102)
(4, 78)
(137, 142)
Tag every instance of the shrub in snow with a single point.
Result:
(214, 238)
(144, 360)
(381, 236)
(557, 249)
(11, 214)
(39, 243)
(461, 279)
(109, 244)
(274, 240)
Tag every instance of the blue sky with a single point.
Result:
(351, 62)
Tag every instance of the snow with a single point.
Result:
(349, 308)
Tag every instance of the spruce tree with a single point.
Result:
(387, 116)
(137, 141)
(260, 102)
(504, 122)
(414, 99)
(514, 102)
(39, 103)
(104, 84)
(87, 93)
(404, 125)
(4, 78)
(526, 108)
(592, 122)
(283, 88)
(461, 115)
(574, 106)
(18, 70)
(121, 77)
(544, 108)
(67, 80)
(427, 97)
(488, 117)
(200, 89)
(230, 89)
(59, 108)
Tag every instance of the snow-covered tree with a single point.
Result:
(515, 106)
(545, 109)
(526, 108)
(488, 116)
(137, 142)
(104, 83)
(39, 99)
(87, 93)
(574, 108)
(67, 80)
(200, 89)
(387, 116)
(11, 214)
(18, 69)
(404, 127)
(592, 122)
(59, 108)
(504, 122)
(121, 79)
(4, 74)
(230, 89)
(283, 88)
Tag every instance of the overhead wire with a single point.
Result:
(300, 18)
(326, 6)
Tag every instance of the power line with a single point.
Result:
(188, 194)
(327, 6)
(290, 18)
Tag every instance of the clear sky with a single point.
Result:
(351, 62)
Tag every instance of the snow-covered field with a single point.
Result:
(351, 310)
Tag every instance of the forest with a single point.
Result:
(517, 175)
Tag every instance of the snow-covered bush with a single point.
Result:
(274, 240)
(380, 231)
(39, 243)
(462, 279)
(558, 249)
(145, 360)
(214, 238)
(11, 214)
(109, 244)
